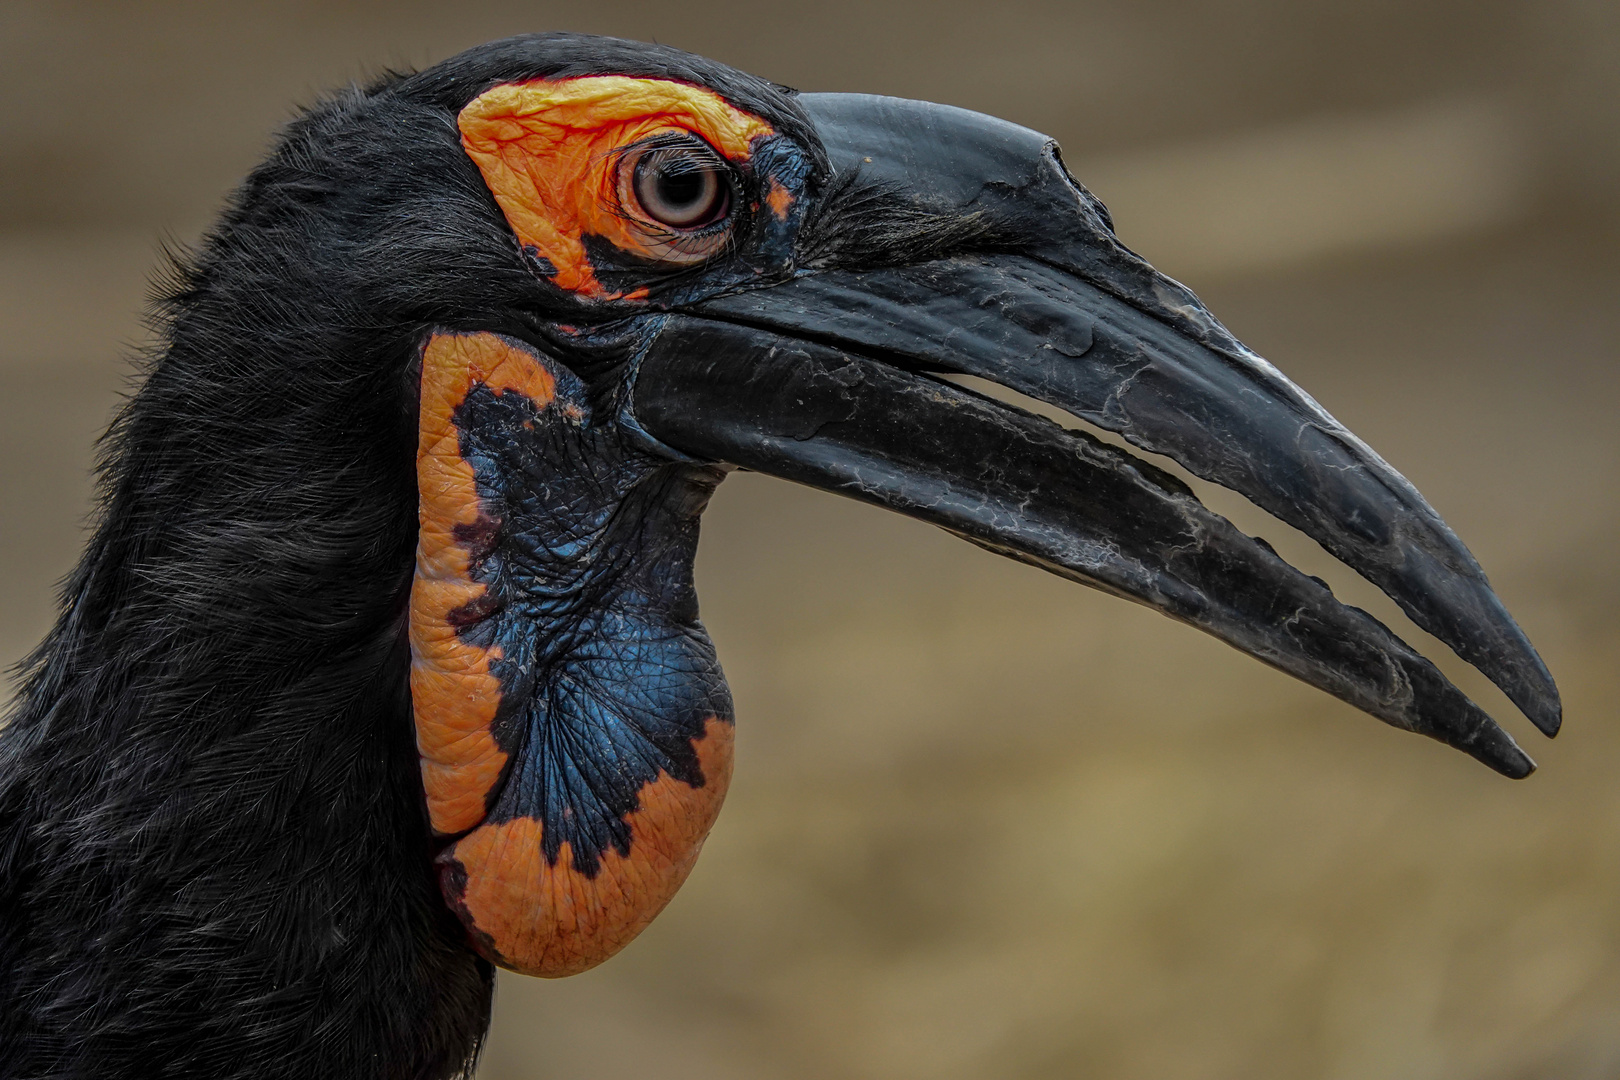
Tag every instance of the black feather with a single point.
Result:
(214, 857)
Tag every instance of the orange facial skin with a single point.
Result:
(538, 918)
(548, 151)
(522, 911)
(455, 696)
(780, 200)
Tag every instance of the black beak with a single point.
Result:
(952, 242)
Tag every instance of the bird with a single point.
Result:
(383, 665)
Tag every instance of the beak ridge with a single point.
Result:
(947, 241)
(1232, 419)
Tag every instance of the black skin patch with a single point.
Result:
(585, 549)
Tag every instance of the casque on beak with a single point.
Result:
(948, 241)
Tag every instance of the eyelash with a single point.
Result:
(663, 242)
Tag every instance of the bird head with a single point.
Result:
(585, 278)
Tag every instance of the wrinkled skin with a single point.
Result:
(222, 850)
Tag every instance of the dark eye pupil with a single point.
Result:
(681, 188)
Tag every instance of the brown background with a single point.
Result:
(987, 823)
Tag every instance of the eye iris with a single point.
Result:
(681, 189)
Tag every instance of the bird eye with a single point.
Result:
(681, 192)
(679, 189)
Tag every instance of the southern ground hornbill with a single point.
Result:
(383, 665)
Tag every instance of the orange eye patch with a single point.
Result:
(551, 153)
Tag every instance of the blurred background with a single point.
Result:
(986, 823)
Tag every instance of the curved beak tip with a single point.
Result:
(1489, 744)
(830, 379)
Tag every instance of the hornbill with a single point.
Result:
(383, 664)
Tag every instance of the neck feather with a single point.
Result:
(214, 855)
